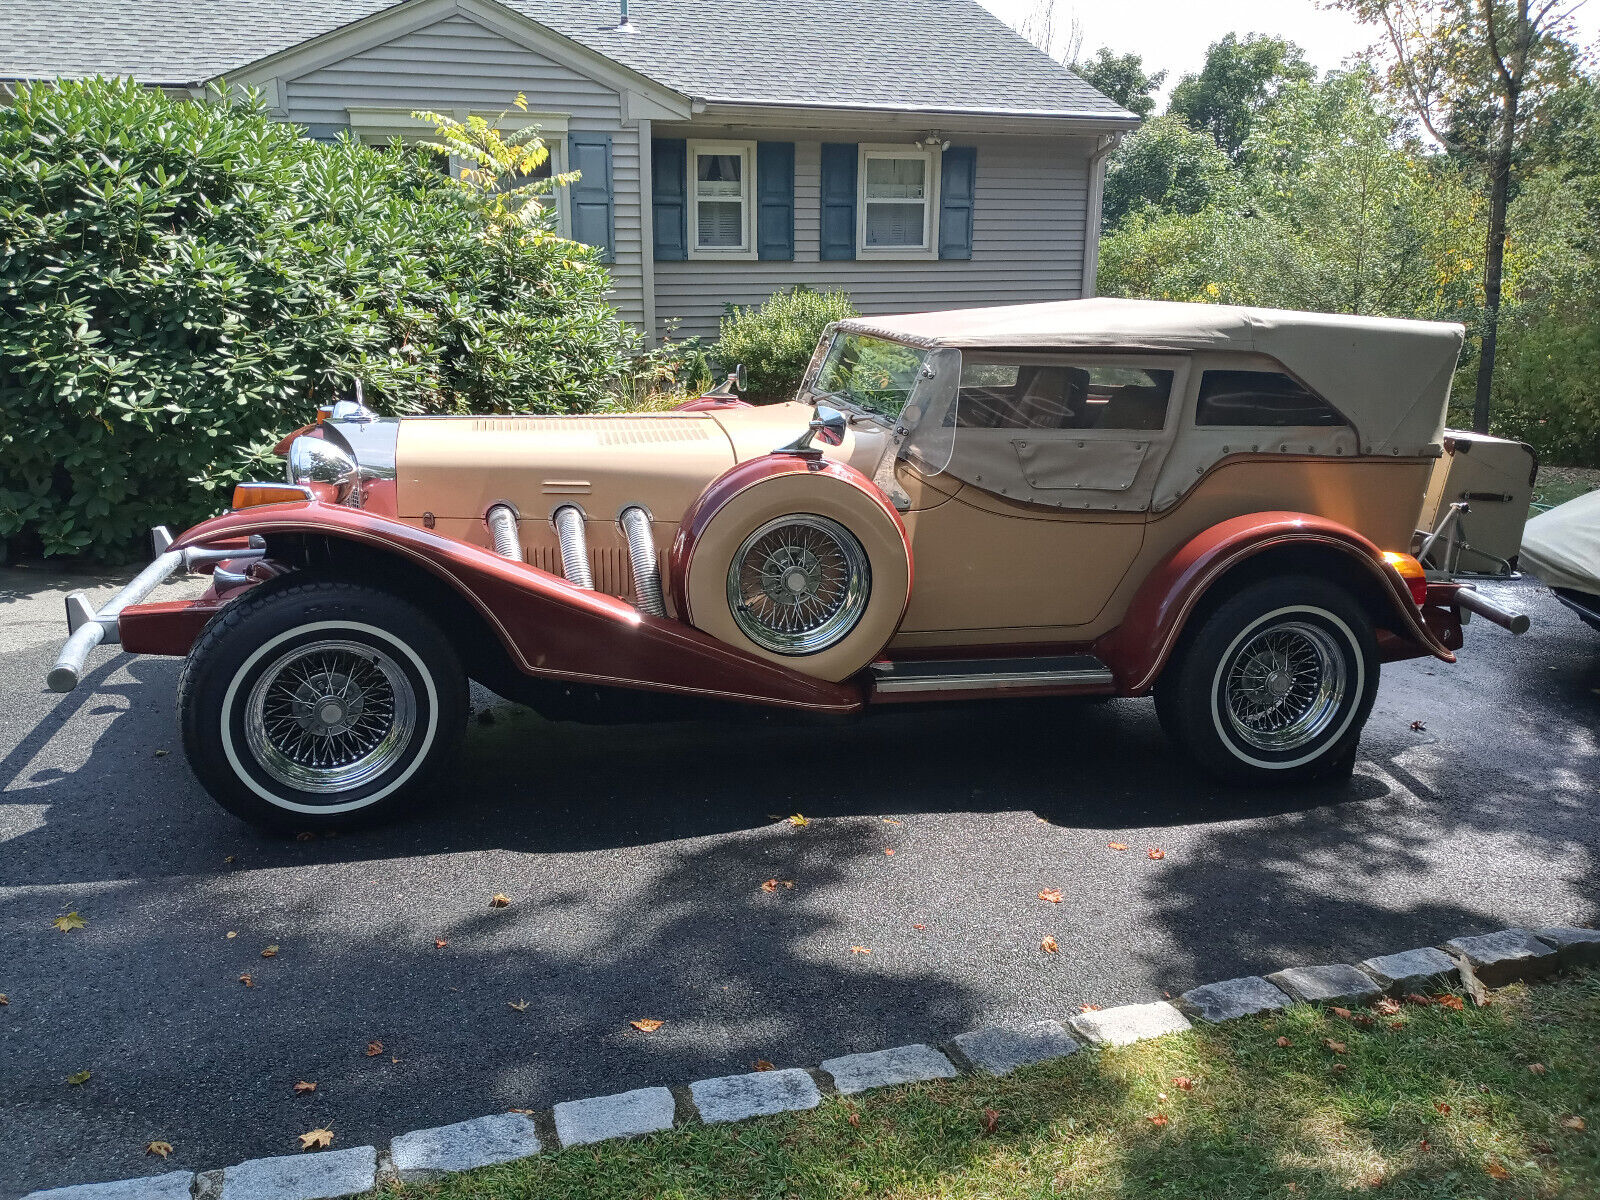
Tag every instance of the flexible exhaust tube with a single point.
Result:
(642, 557)
(574, 546)
(502, 522)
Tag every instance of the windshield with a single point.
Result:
(868, 373)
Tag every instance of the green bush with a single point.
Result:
(775, 341)
(181, 283)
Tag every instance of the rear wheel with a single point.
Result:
(312, 705)
(1275, 685)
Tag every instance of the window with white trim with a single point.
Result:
(721, 190)
(896, 203)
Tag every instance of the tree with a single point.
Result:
(1042, 25)
(1238, 83)
(1165, 165)
(1448, 58)
(1122, 77)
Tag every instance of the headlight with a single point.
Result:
(314, 460)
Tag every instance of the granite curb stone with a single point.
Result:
(1425, 969)
(1333, 983)
(1505, 956)
(321, 1176)
(426, 1153)
(601, 1118)
(174, 1185)
(1574, 947)
(1129, 1023)
(854, 1073)
(760, 1094)
(1232, 998)
(1003, 1049)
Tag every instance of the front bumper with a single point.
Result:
(90, 627)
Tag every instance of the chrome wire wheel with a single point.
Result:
(330, 716)
(799, 584)
(1285, 686)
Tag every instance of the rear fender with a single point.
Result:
(548, 627)
(1149, 632)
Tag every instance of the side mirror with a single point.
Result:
(827, 427)
(741, 378)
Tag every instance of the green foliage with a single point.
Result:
(664, 377)
(1237, 85)
(775, 342)
(1122, 77)
(184, 282)
(1167, 166)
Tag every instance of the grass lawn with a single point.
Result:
(1429, 1102)
(1557, 485)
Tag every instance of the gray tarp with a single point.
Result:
(1562, 546)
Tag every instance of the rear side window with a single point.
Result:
(1259, 398)
(1033, 395)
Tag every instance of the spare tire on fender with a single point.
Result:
(796, 560)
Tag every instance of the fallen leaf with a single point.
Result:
(1159, 1119)
(229, 859)
(1338, 1066)
(317, 1139)
(770, 885)
(919, 927)
(247, 979)
(1341, 1012)
(1441, 1107)
(1051, 895)
(1452, 1002)
(859, 950)
(889, 852)
(1536, 1068)
(762, 1064)
(1363, 1019)
(69, 922)
(162, 753)
(1495, 1171)
(233, 933)
(306, 836)
(647, 1024)
(1576, 1124)
(1116, 845)
(1418, 999)
(1424, 1146)
(798, 821)
(374, 1049)
(1336, 1047)
(522, 1112)
(1183, 1083)
(517, 1005)
(892, 821)
(1162, 1098)
(1089, 1008)
(439, 943)
(161, 1149)
(4, 999)
(499, 901)
(78, 1078)
(270, 952)
(1397, 1025)
(1049, 945)
(1156, 853)
(1417, 727)
(1283, 1041)
(1385, 1006)
(854, 1118)
(304, 1088)
(990, 1120)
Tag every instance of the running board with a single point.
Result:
(990, 674)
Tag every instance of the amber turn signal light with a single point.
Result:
(251, 495)
(1411, 571)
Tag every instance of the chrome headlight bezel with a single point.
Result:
(314, 460)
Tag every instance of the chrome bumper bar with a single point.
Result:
(89, 627)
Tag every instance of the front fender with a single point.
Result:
(547, 626)
(1141, 645)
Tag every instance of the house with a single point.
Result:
(917, 153)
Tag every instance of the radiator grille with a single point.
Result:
(613, 573)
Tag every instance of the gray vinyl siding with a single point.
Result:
(457, 63)
(1029, 220)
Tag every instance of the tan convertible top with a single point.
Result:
(1391, 378)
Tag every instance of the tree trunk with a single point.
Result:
(1494, 257)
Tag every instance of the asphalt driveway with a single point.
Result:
(634, 858)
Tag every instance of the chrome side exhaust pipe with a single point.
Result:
(502, 521)
(636, 526)
(1513, 622)
(568, 520)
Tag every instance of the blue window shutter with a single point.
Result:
(669, 195)
(958, 176)
(838, 234)
(775, 201)
(594, 220)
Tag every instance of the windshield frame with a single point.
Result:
(812, 392)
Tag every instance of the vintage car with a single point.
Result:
(1098, 497)
(1562, 547)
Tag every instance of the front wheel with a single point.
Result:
(320, 704)
(1275, 685)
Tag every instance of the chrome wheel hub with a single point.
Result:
(798, 584)
(1284, 686)
(330, 716)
